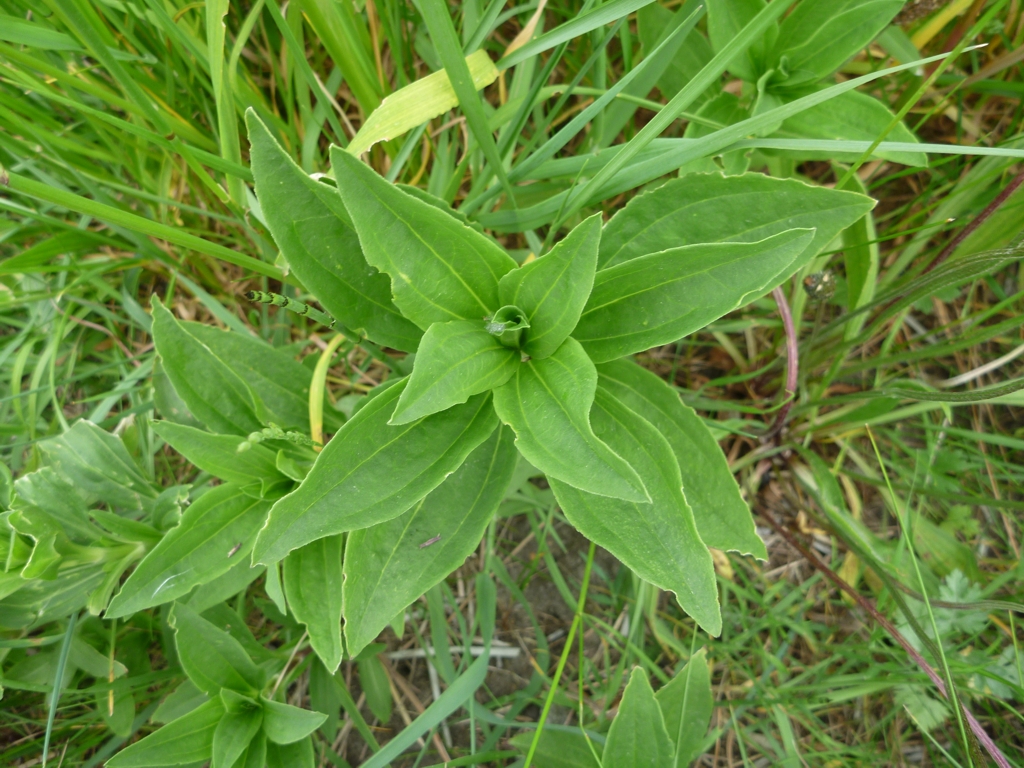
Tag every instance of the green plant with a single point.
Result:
(501, 360)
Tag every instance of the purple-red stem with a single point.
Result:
(792, 362)
(976, 222)
(863, 602)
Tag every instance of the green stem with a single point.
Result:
(576, 620)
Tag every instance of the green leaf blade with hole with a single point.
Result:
(440, 269)
(311, 227)
(455, 361)
(313, 585)
(658, 540)
(189, 739)
(662, 297)
(711, 208)
(638, 738)
(215, 533)
(553, 289)
(547, 404)
(686, 703)
(389, 565)
(285, 724)
(218, 454)
(214, 393)
(371, 472)
(721, 515)
(212, 658)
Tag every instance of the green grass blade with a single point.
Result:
(598, 17)
(58, 680)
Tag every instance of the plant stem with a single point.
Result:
(576, 619)
(792, 362)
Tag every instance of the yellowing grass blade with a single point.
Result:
(419, 102)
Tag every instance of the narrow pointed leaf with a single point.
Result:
(662, 297)
(658, 540)
(233, 734)
(547, 404)
(371, 472)
(218, 454)
(311, 227)
(440, 269)
(851, 116)
(216, 532)
(638, 738)
(212, 658)
(285, 724)
(189, 739)
(214, 393)
(711, 208)
(312, 584)
(553, 290)
(455, 361)
(686, 703)
(389, 565)
(722, 517)
(419, 102)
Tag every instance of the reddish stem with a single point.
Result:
(983, 738)
(792, 362)
(976, 222)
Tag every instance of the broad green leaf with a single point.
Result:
(371, 472)
(662, 297)
(711, 208)
(312, 584)
(63, 501)
(547, 404)
(861, 257)
(851, 116)
(553, 289)
(313, 230)
(98, 464)
(213, 392)
(440, 269)
(182, 700)
(216, 532)
(218, 454)
(225, 586)
(419, 102)
(232, 736)
(560, 749)
(652, 20)
(255, 754)
(279, 382)
(189, 739)
(659, 541)
(373, 679)
(722, 517)
(686, 703)
(726, 18)
(819, 35)
(212, 658)
(391, 564)
(120, 719)
(298, 754)
(285, 724)
(638, 738)
(455, 361)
